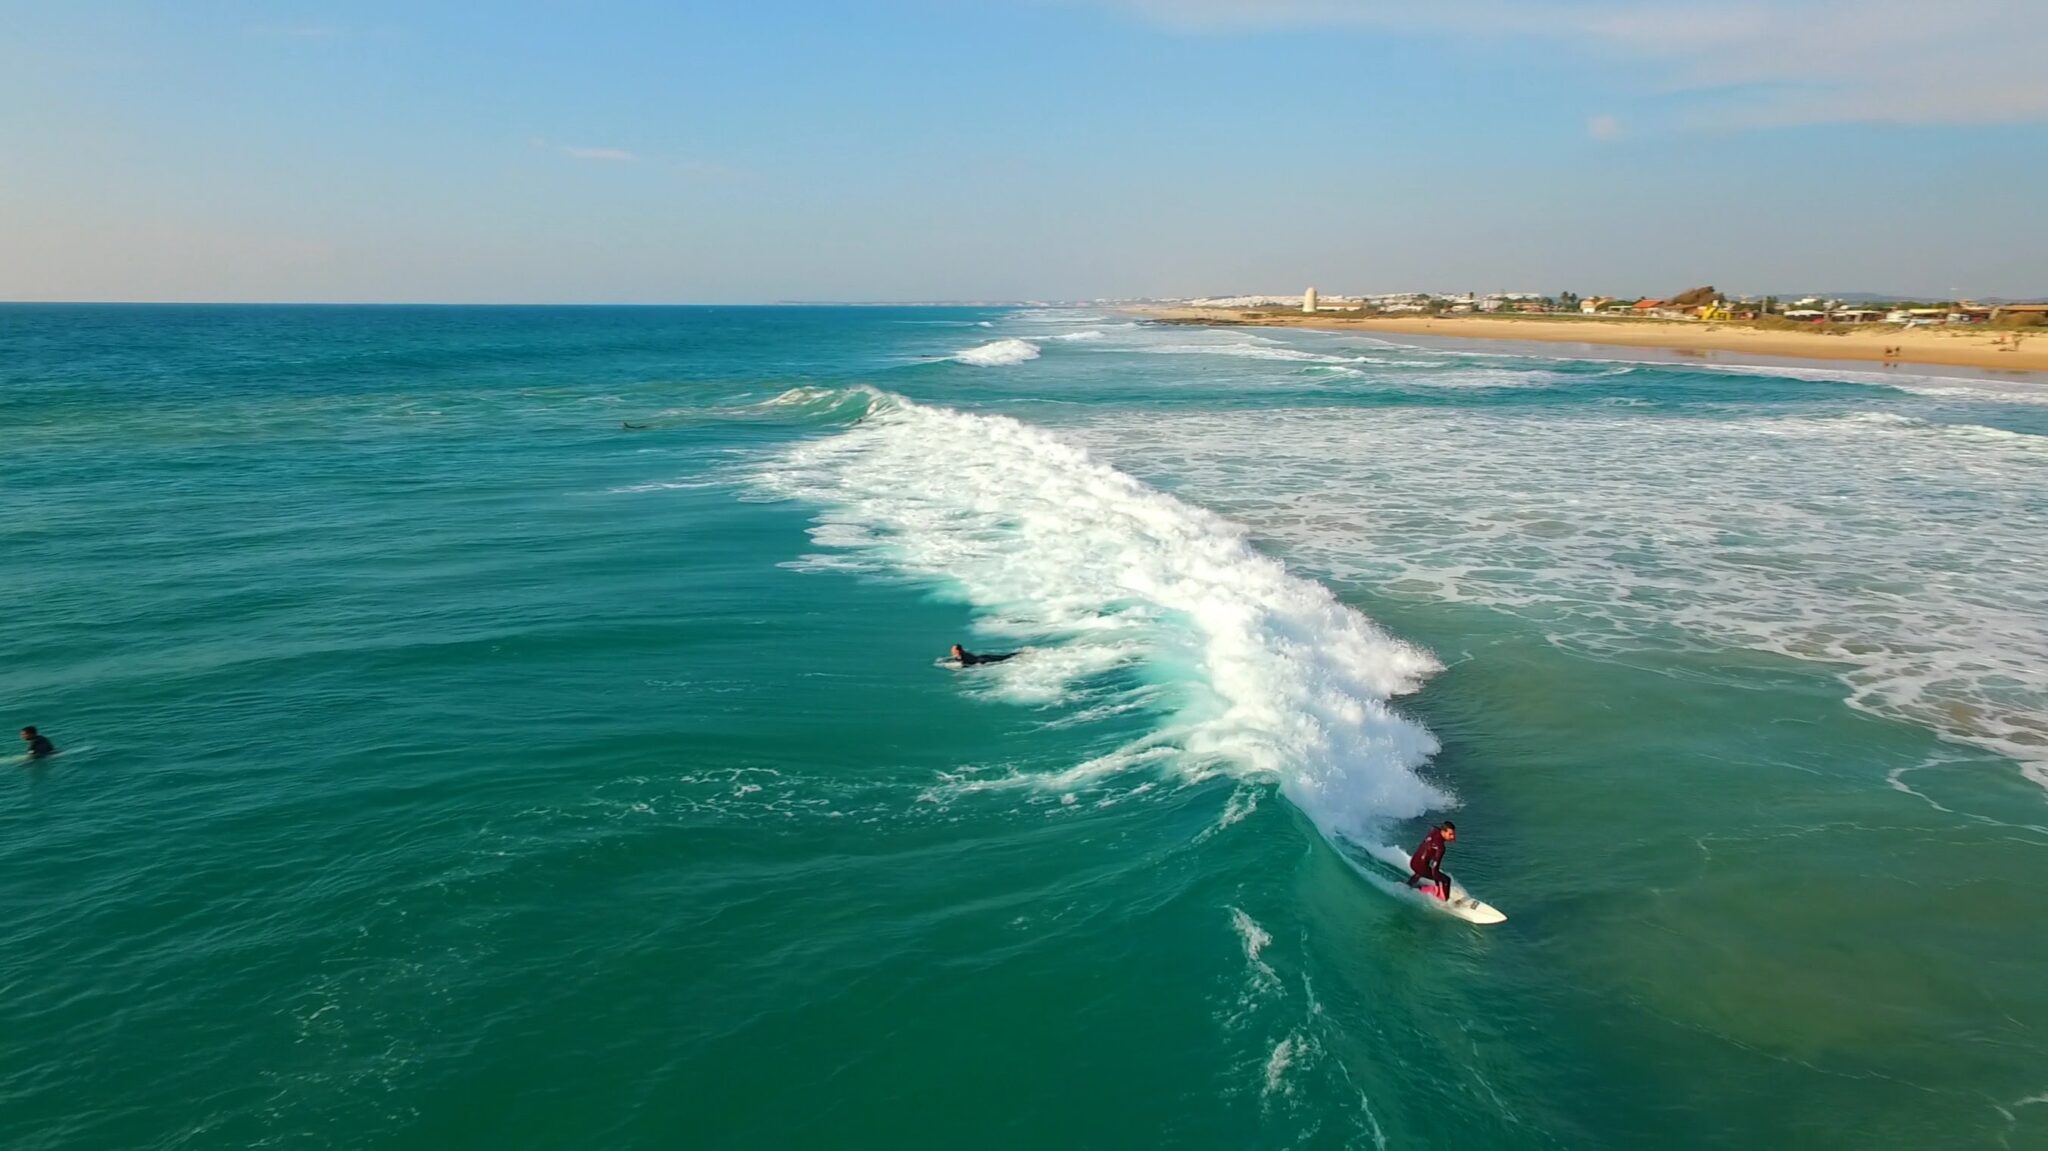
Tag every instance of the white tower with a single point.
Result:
(1308, 300)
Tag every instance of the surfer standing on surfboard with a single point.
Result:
(1428, 860)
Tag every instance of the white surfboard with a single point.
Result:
(1461, 904)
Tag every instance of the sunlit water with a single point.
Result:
(447, 764)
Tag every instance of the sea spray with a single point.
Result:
(998, 353)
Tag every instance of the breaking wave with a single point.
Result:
(998, 353)
(1903, 553)
(1256, 672)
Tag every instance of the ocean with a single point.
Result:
(526, 728)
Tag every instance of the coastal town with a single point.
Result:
(1696, 304)
(1996, 335)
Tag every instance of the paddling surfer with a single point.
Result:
(39, 745)
(969, 659)
(1428, 861)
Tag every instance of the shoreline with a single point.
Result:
(1963, 349)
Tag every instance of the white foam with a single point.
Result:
(800, 396)
(1241, 804)
(1267, 674)
(1058, 317)
(828, 563)
(663, 486)
(1277, 1064)
(1918, 383)
(833, 533)
(999, 353)
(1254, 349)
(813, 401)
(1254, 938)
(1909, 554)
(1089, 334)
(1483, 377)
(1447, 371)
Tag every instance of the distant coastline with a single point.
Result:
(1988, 350)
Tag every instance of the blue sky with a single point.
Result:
(709, 151)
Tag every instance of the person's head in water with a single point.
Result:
(28, 735)
(958, 651)
(1450, 830)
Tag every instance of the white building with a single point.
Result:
(1308, 300)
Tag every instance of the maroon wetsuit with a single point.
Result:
(1428, 862)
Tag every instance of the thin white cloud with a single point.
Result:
(703, 171)
(1745, 62)
(616, 155)
(1603, 127)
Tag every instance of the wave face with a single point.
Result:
(1263, 673)
(999, 353)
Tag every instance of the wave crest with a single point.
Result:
(999, 353)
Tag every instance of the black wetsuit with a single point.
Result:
(40, 746)
(969, 659)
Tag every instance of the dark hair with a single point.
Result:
(28, 730)
(1449, 826)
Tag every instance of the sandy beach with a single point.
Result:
(1982, 349)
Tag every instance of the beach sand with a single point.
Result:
(1978, 348)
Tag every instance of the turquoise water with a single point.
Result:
(447, 765)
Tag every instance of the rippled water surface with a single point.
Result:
(447, 763)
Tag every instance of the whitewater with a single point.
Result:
(1268, 674)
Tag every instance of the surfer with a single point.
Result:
(623, 425)
(39, 745)
(1428, 860)
(969, 659)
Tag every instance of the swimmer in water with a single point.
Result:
(39, 745)
(969, 659)
(632, 427)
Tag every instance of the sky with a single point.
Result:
(746, 151)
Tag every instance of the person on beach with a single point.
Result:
(39, 745)
(969, 659)
(1428, 860)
